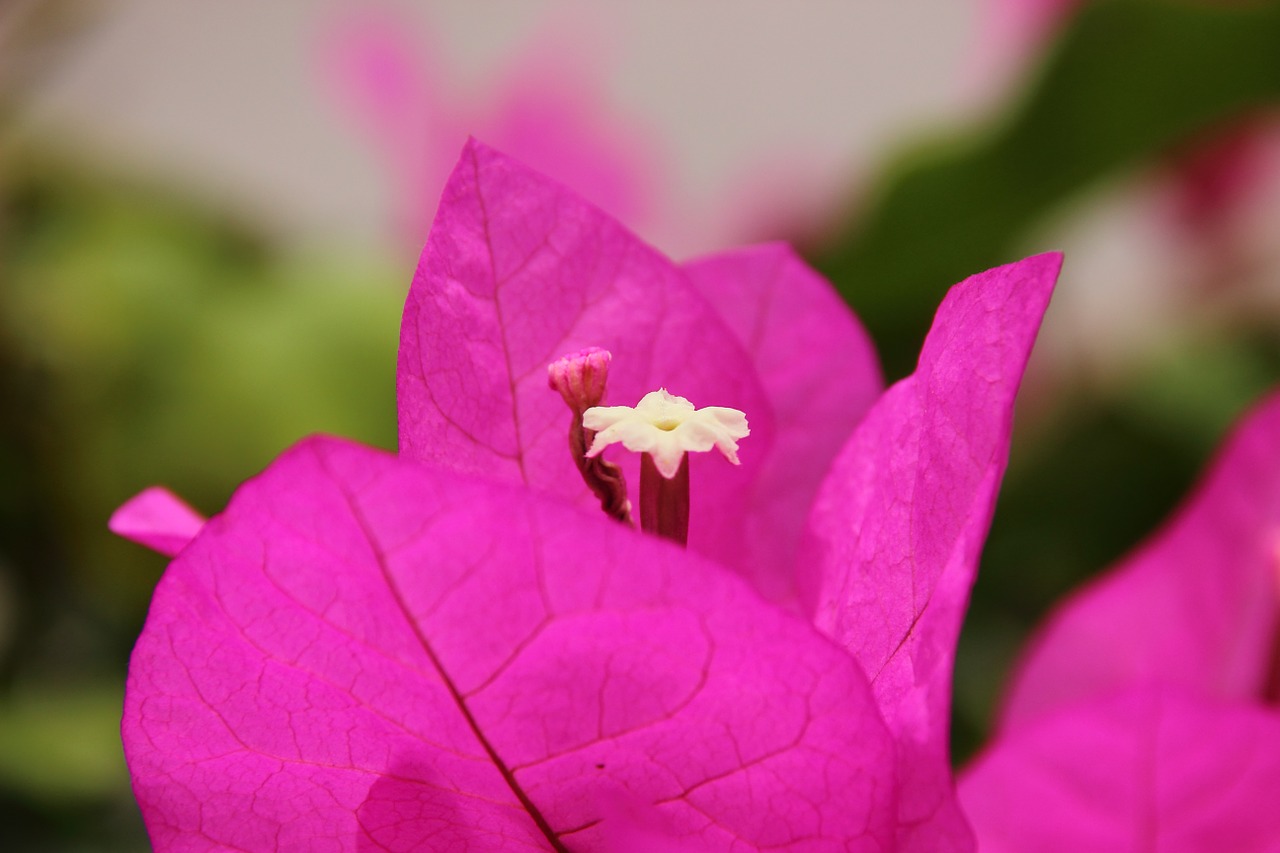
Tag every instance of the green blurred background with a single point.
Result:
(155, 328)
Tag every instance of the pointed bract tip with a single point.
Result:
(157, 519)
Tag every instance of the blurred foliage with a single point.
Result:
(37, 757)
(1127, 81)
(145, 343)
(143, 340)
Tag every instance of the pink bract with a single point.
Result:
(363, 652)
(897, 529)
(547, 107)
(1143, 714)
(1148, 769)
(455, 647)
(503, 289)
(1196, 607)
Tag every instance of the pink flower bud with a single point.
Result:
(580, 377)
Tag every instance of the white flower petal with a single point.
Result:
(666, 427)
(667, 456)
(602, 417)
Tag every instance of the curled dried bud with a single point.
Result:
(580, 377)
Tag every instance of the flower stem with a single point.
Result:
(1271, 682)
(1271, 688)
(603, 478)
(664, 504)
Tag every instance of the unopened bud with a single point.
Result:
(580, 380)
(580, 377)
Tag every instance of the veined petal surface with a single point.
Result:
(364, 652)
(519, 271)
(899, 523)
(1148, 769)
(820, 371)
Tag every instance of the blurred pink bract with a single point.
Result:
(546, 108)
(1144, 712)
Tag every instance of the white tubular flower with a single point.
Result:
(665, 426)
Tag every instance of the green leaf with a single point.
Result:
(59, 743)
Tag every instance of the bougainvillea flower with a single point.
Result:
(1144, 714)
(455, 647)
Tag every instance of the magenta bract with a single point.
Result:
(1147, 769)
(897, 529)
(368, 651)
